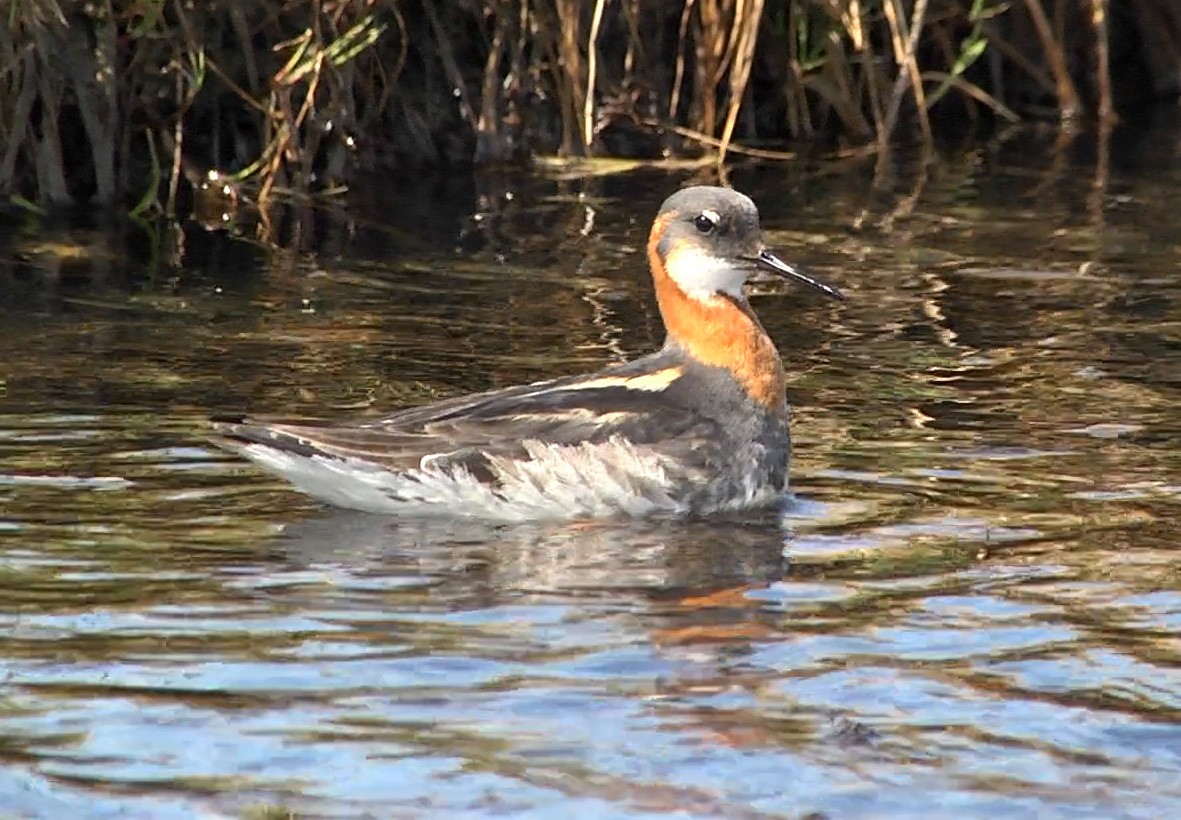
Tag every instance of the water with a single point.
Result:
(972, 608)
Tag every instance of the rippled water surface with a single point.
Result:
(970, 609)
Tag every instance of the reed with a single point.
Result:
(145, 102)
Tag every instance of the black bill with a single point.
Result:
(773, 263)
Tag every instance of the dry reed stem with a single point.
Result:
(872, 84)
(631, 15)
(904, 39)
(592, 52)
(488, 125)
(51, 173)
(849, 12)
(178, 141)
(797, 120)
(679, 70)
(1068, 99)
(1020, 60)
(975, 92)
(1103, 60)
(90, 67)
(756, 153)
(450, 66)
(23, 71)
(709, 39)
(834, 86)
(570, 63)
(746, 26)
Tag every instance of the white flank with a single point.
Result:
(576, 481)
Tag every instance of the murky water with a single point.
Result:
(972, 609)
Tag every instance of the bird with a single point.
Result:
(695, 428)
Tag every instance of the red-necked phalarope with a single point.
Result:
(699, 426)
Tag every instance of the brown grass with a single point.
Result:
(147, 101)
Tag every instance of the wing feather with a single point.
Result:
(468, 431)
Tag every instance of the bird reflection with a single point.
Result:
(475, 563)
(688, 591)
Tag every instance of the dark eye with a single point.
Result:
(704, 223)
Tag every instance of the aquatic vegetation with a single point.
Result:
(161, 103)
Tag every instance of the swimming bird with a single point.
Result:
(699, 426)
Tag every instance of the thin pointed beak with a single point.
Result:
(773, 263)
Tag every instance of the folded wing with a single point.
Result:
(469, 432)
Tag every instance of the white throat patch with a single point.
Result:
(701, 275)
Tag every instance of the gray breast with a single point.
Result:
(750, 452)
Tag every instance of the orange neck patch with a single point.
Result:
(720, 332)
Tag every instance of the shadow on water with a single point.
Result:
(972, 603)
